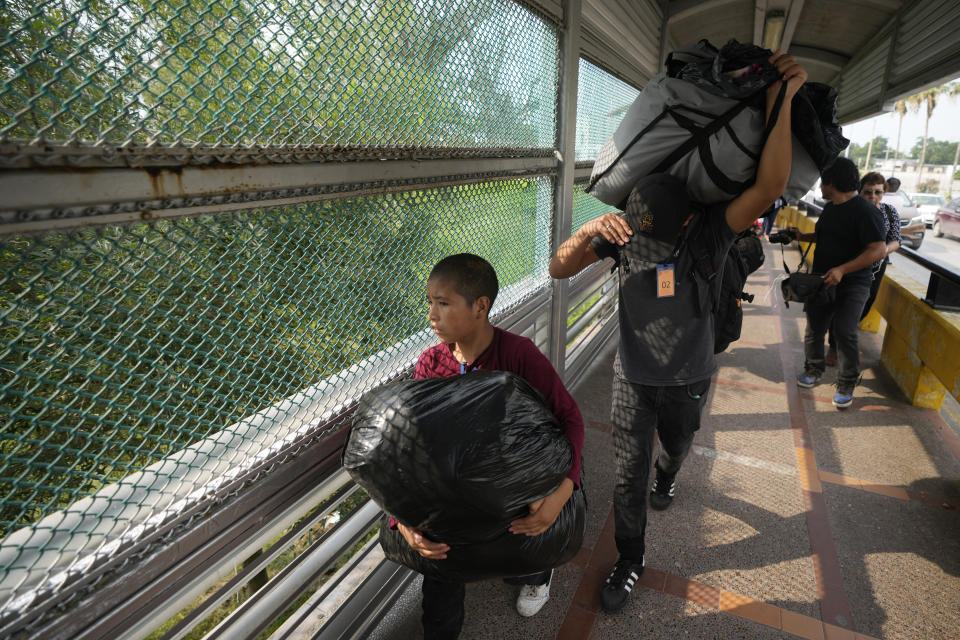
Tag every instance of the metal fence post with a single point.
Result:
(566, 149)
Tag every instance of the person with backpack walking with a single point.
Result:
(665, 359)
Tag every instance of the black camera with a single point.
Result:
(780, 237)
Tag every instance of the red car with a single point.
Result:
(948, 219)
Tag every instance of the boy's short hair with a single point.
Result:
(471, 276)
(872, 178)
(842, 175)
(893, 184)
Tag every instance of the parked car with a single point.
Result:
(927, 205)
(948, 219)
(912, 228)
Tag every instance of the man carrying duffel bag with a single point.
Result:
(702, 120)
(666, 358)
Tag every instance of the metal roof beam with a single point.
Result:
(759, 18)
(793, 18)
(886, 5)
(825, 57)
(687, 8)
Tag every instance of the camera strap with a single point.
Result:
(802, 258)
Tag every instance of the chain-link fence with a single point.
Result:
(134, 81)
(149, 368)
(586, 207)
(602, 101)
(125, 345)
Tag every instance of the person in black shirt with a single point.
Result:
(872, 190)
(849, 239)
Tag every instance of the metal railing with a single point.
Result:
(943, 287)
(208, 252)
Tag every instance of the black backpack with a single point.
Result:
(692, 255)
(743, 258)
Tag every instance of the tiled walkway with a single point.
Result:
(792, 519)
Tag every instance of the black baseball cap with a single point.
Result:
(658, 206)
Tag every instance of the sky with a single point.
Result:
(944, 125)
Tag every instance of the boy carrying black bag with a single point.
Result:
(461, 290)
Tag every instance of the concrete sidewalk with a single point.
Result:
(792, 519)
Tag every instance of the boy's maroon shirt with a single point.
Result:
(516, 354)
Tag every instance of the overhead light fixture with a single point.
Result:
(773, 28)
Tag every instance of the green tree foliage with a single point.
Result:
(62, 65)
(125, 344)
(278, 73)
(926, 101)
(858, 152)
(938, 151)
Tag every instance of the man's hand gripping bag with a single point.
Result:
(459, 459)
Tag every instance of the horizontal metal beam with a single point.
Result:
(184, 556)
(686, 8)
(332, 491)
(366, 606)
(43, 200)
(825, 57)
(586, 353)
(257, 612)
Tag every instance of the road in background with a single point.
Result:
(945, 250)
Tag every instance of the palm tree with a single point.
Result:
(953, 92)
(927, 100)
(901, 108)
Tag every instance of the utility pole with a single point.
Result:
(873, 134)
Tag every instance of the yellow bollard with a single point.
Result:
(871, 323)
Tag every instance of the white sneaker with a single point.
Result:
(532, 598)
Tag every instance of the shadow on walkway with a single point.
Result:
(792, 519)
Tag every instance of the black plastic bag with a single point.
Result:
(814, 123)
(506, 555)
(736, 70)
(459, 459)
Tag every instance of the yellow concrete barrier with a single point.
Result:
(921, 346)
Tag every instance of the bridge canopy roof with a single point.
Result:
(873, 51)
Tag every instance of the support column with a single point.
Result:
(569, 37)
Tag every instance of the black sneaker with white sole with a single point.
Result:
(664, 488)
(616, 590)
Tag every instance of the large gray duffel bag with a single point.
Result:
(696, 127)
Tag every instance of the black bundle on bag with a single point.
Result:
(815, 124)
(459, 459)
(702, 120)
(735, 70)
